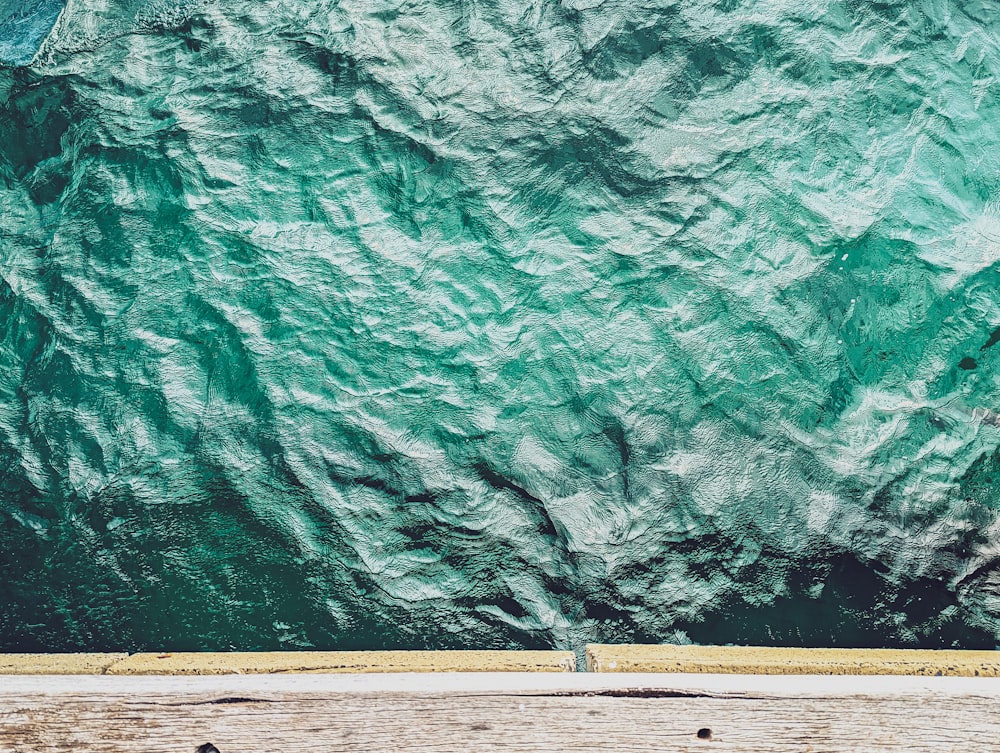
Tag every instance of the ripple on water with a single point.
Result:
(352, 323)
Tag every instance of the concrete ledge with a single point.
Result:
(751, 660)
(272, 662)
(630, 658)
(57, 664)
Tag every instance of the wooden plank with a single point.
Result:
(782, 661)
(270, 662)
(529, 713)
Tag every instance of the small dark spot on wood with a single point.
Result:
(593, 712)
(704, 733)
(479, 727)
(206, 748)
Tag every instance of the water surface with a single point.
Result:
(375, 324)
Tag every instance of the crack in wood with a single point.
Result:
(235, 699)
(638, 693)
(211, 702)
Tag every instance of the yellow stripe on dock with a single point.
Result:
(57, 664)
(753, 660)
(271, 662)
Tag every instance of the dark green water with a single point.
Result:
(493, 324)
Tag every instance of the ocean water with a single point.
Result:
(24, 25)
(467, 323)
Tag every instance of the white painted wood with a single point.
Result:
(533, 713)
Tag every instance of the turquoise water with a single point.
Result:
(24, 25)
(490, 324)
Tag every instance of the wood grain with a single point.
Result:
(529, 713)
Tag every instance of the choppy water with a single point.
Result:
(24, 25)
(453, 323)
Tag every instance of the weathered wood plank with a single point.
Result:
(791, 661)
(509, 712)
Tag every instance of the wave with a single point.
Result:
(24, 25)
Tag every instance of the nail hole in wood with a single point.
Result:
(206, 748)
(704, 734)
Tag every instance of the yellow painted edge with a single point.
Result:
(756, 660)
(272, 662)
(600, 658)
(57, 664)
